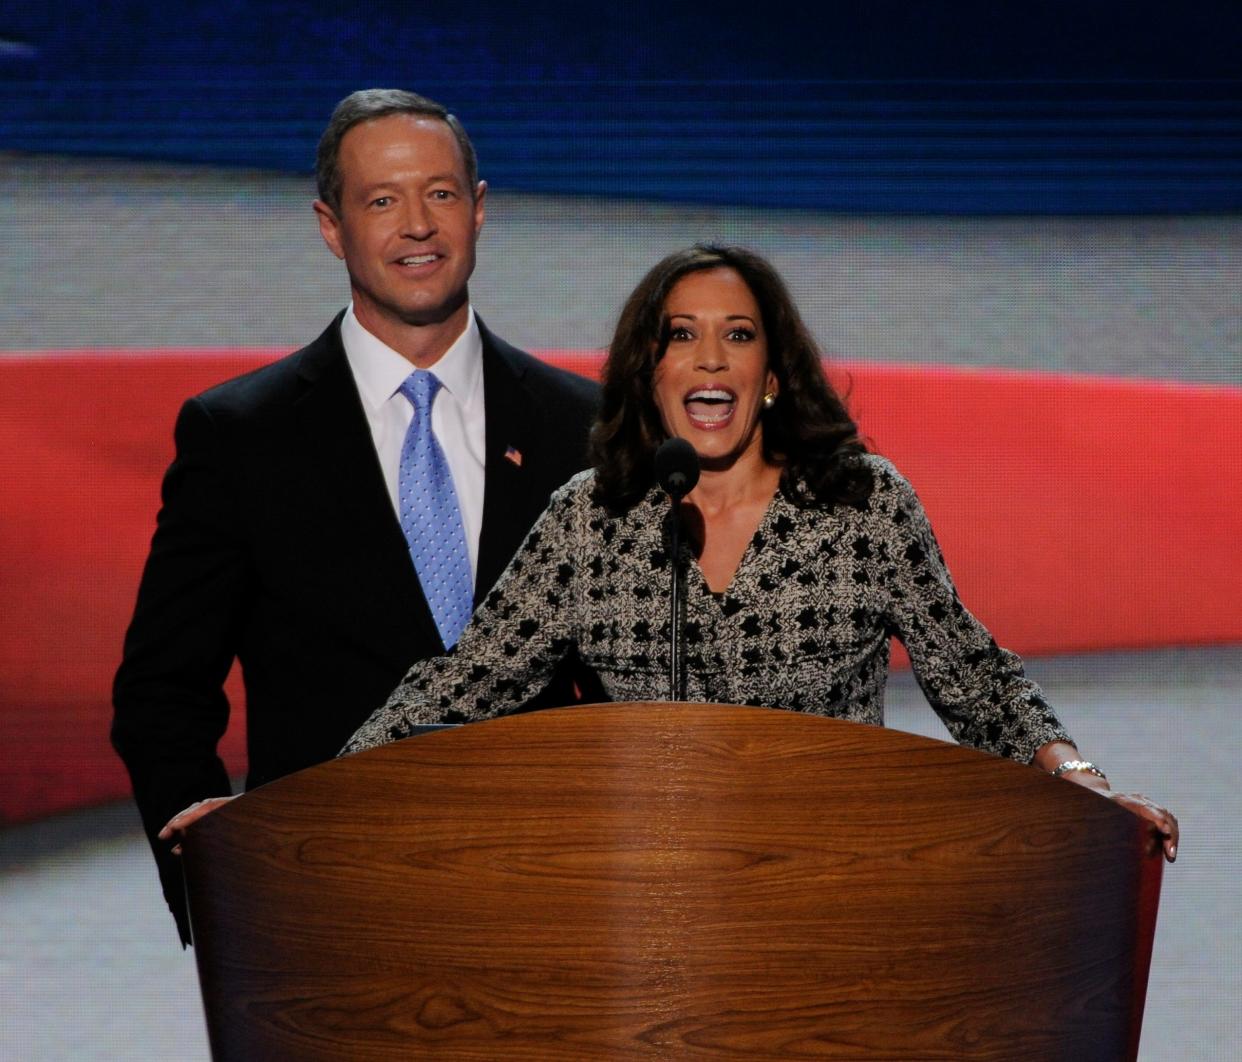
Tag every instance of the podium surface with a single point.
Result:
(672, 881)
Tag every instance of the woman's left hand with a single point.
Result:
(178, 823)
(1163, 819)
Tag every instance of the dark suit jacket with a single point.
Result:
(277, 543)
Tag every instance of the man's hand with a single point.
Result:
(178, 823)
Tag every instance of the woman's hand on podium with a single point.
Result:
(178, 823)
(1064, 760)
(1163, 819)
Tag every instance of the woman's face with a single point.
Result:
(709, 386)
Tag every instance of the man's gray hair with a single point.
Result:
(366, 104)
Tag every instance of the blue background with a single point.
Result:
(961, 108)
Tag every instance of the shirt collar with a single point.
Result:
(380, 371)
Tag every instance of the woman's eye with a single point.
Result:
(679, 334)
(741, 335)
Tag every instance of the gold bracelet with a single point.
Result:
(1078, 765)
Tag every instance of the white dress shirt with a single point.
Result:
(457, 416)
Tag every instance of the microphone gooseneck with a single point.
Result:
(677, 471)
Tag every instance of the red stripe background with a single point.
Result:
(1076, 513)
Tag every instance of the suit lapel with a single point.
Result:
(509, 507)
(361, 539)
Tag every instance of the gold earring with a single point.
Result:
(769, 400)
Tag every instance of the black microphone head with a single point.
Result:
(677, 467)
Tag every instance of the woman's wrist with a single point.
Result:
(1075, 764)
(1063, 760)
(1050, 756)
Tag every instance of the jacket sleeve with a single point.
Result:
(513, 643)
(977, 688)
(170, 709)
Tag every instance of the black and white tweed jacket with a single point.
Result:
(804, 626)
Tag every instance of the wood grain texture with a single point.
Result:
(672, 881)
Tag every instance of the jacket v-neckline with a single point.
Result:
(750, 555)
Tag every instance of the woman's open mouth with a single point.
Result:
(710, 408)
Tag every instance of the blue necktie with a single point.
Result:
(430, 516)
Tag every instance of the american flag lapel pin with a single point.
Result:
(513, 454)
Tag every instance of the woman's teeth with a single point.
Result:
(710, 405)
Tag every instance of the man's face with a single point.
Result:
(407, 223)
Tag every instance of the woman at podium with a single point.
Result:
(805, 552)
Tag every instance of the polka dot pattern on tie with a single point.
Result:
(431, 517)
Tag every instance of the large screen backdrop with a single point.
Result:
(1017, 238)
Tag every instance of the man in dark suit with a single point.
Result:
(289, 535)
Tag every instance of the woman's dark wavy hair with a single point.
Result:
(808, 431)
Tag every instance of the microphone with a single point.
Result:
(677, 470)
(677, 467)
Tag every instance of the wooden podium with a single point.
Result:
(672, 882)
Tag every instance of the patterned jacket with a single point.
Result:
(804, 626)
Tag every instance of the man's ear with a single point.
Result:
(480, 208)
(329, 228)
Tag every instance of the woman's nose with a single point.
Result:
(711, 355)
